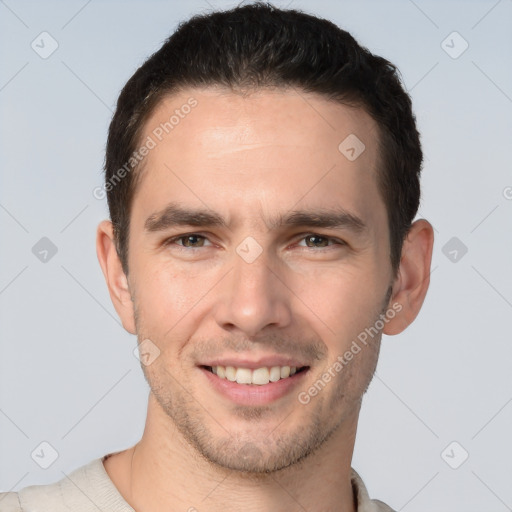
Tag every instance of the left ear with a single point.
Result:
(411, 284)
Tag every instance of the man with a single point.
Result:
(262, 175)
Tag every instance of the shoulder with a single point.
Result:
(364, 503)
(49, 497)
(380, 506)
(84, 489)
(9, 502)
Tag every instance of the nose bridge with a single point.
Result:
(252, 296)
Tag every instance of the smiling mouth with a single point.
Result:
(258, 376)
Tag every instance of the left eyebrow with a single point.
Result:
(175, 215)
(336, 219)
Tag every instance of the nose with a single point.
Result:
(252, 297)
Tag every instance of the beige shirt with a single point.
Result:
(89, 489)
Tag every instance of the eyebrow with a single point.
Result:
(175, 215)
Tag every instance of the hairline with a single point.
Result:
(164, 94)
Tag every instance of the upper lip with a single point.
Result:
(253, 364)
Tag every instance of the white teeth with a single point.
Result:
(259, 377)
(230, 373)
(275, 374)
(243, 376)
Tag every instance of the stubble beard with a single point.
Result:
(273, 450)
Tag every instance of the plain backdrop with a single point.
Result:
(435, 428)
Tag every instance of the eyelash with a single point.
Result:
(336, 241)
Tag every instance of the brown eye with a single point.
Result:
(188, 241)
(192, 240)
(316, 241)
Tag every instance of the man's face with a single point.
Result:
(270, 288)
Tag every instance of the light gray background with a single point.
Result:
(68, 375)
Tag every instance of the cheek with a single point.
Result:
(172, 297)
(163, 308)
(163, 297)
(343, 297)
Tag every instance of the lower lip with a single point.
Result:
(252, 394)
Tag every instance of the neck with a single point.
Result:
(162, 472)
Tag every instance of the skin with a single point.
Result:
(251, 158)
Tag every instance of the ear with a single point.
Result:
(115, 277)
(411, 284)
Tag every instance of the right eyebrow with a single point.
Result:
(175, 215)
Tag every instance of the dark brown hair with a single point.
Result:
(259, 45)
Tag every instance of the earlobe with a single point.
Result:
(412, 282)
(116, 279)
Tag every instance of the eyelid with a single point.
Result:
(300, 237)
(338, 241)
(171, 240)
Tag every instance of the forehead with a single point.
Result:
(219, 116)
(264, 149)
